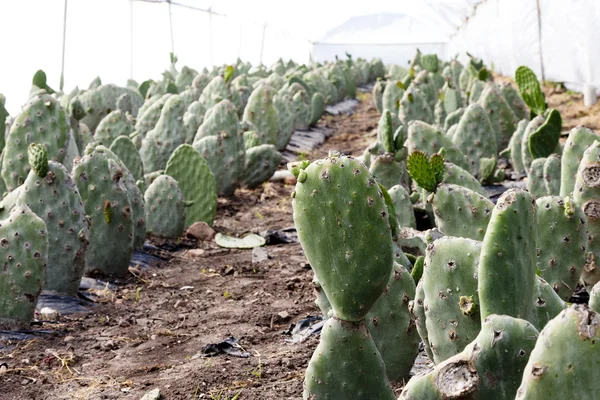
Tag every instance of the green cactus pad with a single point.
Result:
(249, 241)
(461, 212)
(508, 257)
(580, 138)
(501, 116)
(490, 367)
(514, 100)
(165, 208)
(427, 173)
(535, 178)
(552, 168)
(338, 199)
(430, 140)
(24, 247)
(385, 133)
(261, 162)
(543, 141)
(263, 114)
(453, 118)
(566, 358)
(112, 126)
(125, 149)
(42, 121)
(530, 89)
(546, 304)
(111, 244)
(346, 365)
(417, 310)
(196, 182)
(414, 107)
(404, 210)
(516, 158)
(388, 171)
(450, 273)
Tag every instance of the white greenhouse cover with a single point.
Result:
(121, 39)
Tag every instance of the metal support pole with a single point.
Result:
(64, 44)
(171, 26)
(539, 15)
(262, 43)
(241, 38)
(131, 39)
(210, 40)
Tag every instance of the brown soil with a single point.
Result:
(151, 332)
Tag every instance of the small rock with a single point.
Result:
(259, 254)
(186, 288)
(195, 252)
(228, 270)
(69, 339)
(152, 395)
(200, 231)
(49, 314)
(283, 315)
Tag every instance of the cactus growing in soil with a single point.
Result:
(516, 158)
(501, 116)
(508, 257)
(51, 194)
(125, 149)
(530, 90)
(391, 96)
(414, 107)
(586, 195)
(261, 162)
(317, 107)
(192, 119)
(430, 140)
(561, 243)
(286, 123)
(149, 114)
(337, 198)
(535, 178)
(461, 212)
(404, 210)
(112, 126)
(395, 333)
(165, 207)
(580, 138)
(197, 183)
(166, 136)
(24, 247)
(566, 358)
(107, 204)
(42, 121)
(263, 114)
(377, 94)
(515, 101)
(490, 367)
(453, 119)
(450, 295)
(473, 137)
(552, 168)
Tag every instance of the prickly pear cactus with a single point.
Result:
(107, 204)
(427, 173)
(125, 149)
(501, 116)
(565, 359)
(165, 207)
(595, 298)
(452, 99)
(42, 121)
(192, 119)
(530, 89)
(515, 101)
(301, 110)
(561, 243)
(166, 136)
(260, 165)
(516, 158)
(580, 138)
(286, 121)
(338, 188)
(490, 367)
(3, 125)
(414, 107)
(346, 365)
(546, 304)
(543, 141)
(225, 154)
(24, 247)
(395, 333)
(453, 174)
(532, 126)
(317, 107)
(263, 114)
(461, 212)
(389, 172)
(377, 94)
(473, 137)
(552, 174)
(450, 295)
(586, 195)
(197, 183)
(148, 116)
(112, 126)
(535, 178)
(417, 310)
(391, 96)
(134, 194)
(50, 193)
(429, 140)
(508, 257)
(475, 91)
(453, 118)
(404, 210)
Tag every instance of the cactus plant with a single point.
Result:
(165, 207)
(42, 121)
(595, 298)
(552, 168)
(112, 126)
(391, 96)
(501, 116)
(263, 114)
(414, 107)
(125, 149)
(530, 90)
(429, 140)
(535, 178)
(586, 195)
(377, 94)
(565, 359)
(508, 257)
(490, 367)
(24, 247)
(197, 183)
(516, 158)
(405, 215)
(450, 295)
(579, 139)
(515, 101)
(107, 204)
(50, 193)
(261, 162)
(453, 118)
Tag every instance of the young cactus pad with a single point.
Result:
(427, 173)
(530, 90)
(338, 205)
(165, 208)
(24, 246)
